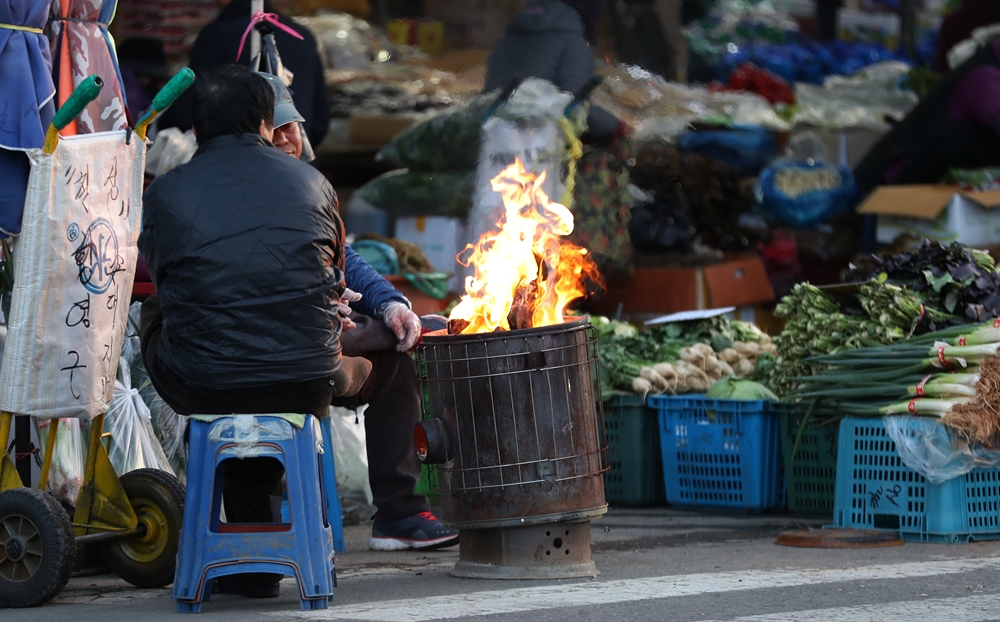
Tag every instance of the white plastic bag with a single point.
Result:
(168, 427)
(68, 457)
(527, 127)
(133, 442)
(927, 447)
(170, 149)
(350, 458)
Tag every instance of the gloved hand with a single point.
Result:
(344, 308)
(404, 323)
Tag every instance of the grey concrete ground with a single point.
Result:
(655, 564)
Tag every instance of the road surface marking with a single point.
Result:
(594, 593)
(980, 608)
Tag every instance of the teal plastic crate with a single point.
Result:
(635, 476)
(875, 490)
(809, 455)
(720, 453)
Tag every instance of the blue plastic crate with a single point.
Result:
(875, 490)
(720, 453)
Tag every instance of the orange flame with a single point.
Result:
(526, 249)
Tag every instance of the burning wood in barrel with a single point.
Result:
(516, 421)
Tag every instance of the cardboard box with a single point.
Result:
(439, 237)
(941, 213)
(740, 282)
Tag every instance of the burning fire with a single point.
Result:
(525, 273)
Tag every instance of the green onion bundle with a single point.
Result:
(952, 374)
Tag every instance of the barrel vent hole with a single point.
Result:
(548, 552)
(548, 533)
(557, 543)
(567, 533)
(567, 551)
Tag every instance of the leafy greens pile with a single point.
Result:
(954, 279)
(681, 357)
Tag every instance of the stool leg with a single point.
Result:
(334, 512)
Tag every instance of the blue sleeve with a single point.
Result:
(376, 292)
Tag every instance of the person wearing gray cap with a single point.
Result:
(385, 329)
(289, 135)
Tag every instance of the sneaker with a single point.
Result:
(420, 531)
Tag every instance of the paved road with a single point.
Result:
(656, 565)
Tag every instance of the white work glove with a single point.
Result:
(404, 323)
(344, 308)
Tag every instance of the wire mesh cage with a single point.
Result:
(524, 411)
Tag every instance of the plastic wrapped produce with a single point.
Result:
(411, 193)
(346, 41)
(865, 99)
(804, 194)
(659, 110)
(744, 149)
(448, 141)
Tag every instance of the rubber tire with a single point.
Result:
(58, 547)
(167, 493)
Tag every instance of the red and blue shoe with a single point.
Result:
(420, 531)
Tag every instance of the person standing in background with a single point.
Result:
(552, 40)
(144, 70)
(958, 27)
(826, 18)
(218, 44)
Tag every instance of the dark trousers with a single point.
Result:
(391, 392)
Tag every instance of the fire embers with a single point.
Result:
(525, 273)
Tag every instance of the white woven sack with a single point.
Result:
(74, 264)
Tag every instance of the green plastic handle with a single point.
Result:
(82, 95)
(181, 81)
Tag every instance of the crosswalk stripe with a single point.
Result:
(979, 608)
(627, 590)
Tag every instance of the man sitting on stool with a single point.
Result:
(246, 249)
(385, 330)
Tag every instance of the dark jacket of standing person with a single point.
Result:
(246, 249)
(957, 125)
(218, 42)
(549, 40)
(958, 27)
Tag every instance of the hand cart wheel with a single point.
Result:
(37, 547)
(147, 559)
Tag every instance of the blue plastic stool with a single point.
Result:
(334, 511)
(209, 549)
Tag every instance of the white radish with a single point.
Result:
(666, 370)
(705, 349)
(743, 368)
(726, 368)
(729, 355)
(641, 385)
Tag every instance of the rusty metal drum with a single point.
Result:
(521, 415)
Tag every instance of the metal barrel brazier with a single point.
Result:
(518, 428)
